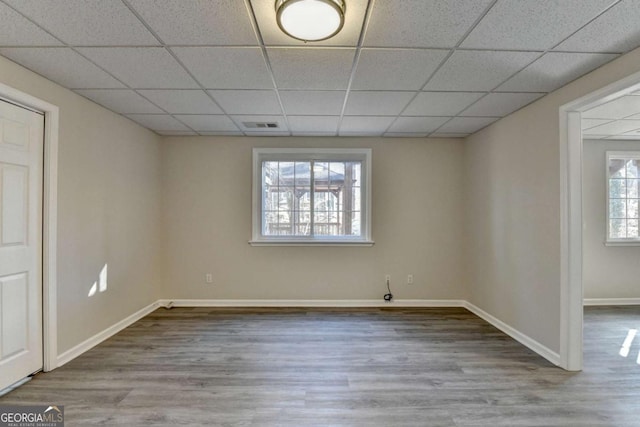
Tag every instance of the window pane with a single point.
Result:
(321, 174)
(302, 174)
(357, 171)
(632, 169)
(617, 208)
(632, 228)
(355, 223)
(617, 228)
(617, 168)
(356, 199)
(270, 173)
(286, 204)
(617, 188)
(286, 174)
(632, 208)
(632, 188)
(336, 172)
(336, 195)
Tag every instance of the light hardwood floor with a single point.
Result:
(355, 367)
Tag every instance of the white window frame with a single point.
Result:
(315, 154)
(627, 241)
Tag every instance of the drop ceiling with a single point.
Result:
(616, 119)
(398, 68)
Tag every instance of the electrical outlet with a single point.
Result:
(208, 278)
(387, 278)
(410, 279)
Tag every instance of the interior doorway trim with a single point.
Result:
(49, 218)
(571, 291)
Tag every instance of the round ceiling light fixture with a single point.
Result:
(310, 20)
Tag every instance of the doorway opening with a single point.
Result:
(572, 212)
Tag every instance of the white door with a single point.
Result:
(21, 164)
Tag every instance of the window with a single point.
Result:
(311, 196)
(623, 184)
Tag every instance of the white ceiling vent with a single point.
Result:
(260, 125)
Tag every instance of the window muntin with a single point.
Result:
(623, 196)
(311, 196)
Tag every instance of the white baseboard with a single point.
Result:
(527, 341)
(88, 344)
(308, 303)
(611, 301)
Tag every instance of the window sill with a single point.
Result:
(622, 243)
(356, 243)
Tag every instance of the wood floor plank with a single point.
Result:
(350, 367)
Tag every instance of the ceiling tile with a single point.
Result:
(615, 128)
(466, 124)
(330, 134)
(365, 125)
(226, 67)
(123, 101)
(309, 124)
(63, 66)
(532, 25)
(590, 123)
(267, 133)
(16, 30)
(406, 134)
(422, 23)
(396, 69)
(88, 23)
(478, 70)
(418, 124)
(500, 104)
(158, 122)
(441, 103)
(206, 122)
(176, 133)
(449, 135)
(619, 108)
(377, 103)
(190, 101)
(240, 120)
(614, 31)
(247, 101)
(553, 70)
(312, 102)
(227, 133)
(311, 68)
(132, 65)
(198, 22)
(272, 35)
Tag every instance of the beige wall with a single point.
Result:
(108, 209)
(609, 271)
(417, 225)
(513, 209)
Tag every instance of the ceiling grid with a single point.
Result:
(415, 68)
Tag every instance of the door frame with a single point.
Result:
(571, 286)
(49, 218)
